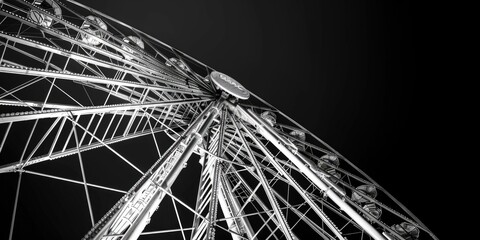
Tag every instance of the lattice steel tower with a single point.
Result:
(85, 97)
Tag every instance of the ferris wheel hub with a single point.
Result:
(229, 85)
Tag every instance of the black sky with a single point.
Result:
(347, 71)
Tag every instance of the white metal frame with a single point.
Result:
(61, 96)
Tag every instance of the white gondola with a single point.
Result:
(374, 211)
(299, 135)
(41, 18)
(335, 176)
(132, 40)
(179, 63)
(328, 162)
(368, 190)
(92, 25)
(269, 117)
(406, 230)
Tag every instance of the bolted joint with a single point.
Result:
(199, 137)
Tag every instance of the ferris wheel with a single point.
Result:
(109, 133)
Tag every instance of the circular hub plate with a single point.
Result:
(229, 85)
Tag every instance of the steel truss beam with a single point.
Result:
(296, 186)
(273, 202)
(304, 165)
(132, 213)
(24, 116)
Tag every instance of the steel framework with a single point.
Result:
(76, 84)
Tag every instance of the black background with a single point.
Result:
(353, 73)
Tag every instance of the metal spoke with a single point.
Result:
(12, 223)
(80, 161)
(178, 219)
(73, 181)
(279, 215)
